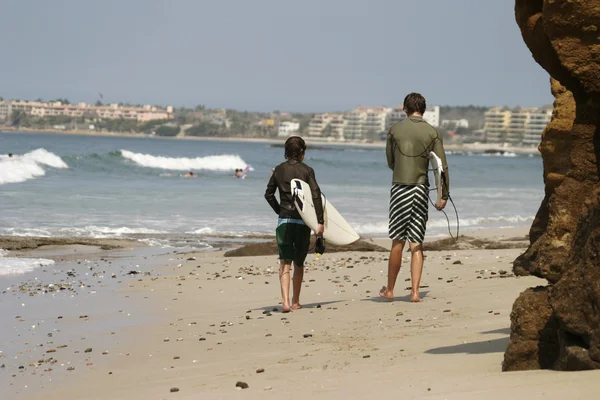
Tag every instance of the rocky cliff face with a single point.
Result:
(558, 326)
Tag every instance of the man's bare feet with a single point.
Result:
(296, 306)
(386, 294)
(414, 298)
(285, 308)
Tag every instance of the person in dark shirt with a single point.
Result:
(293, 235)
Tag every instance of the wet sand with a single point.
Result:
(194, 325)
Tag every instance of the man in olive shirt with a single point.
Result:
(408, 146)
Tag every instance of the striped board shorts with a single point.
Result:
(408, 212)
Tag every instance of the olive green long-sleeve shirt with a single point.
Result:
(408, 144)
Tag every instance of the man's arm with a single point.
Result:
(389, 150)
(438, 149)
(316, 196)
(270, 194)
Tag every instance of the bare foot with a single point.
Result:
(296, 306)
(386, 294)
(285, 308)
(414, 298)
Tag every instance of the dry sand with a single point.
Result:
(215, 321)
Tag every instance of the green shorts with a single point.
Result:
(293, 240)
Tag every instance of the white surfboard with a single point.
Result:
(437, 168)
(337, 230)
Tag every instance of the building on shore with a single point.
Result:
(497, 120)
(5, 110)
(82, 110)
(375, 122)
(517, 127)
(287, 128)
(431, 116)
(455, 123)
(536, 125)
(317, 127)
(337, 127)
(362, 123)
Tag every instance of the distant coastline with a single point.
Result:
(478, 147)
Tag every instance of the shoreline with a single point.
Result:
(21, 245)
(479, 147)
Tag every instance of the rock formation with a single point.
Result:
(558, 326)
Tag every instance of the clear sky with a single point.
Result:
(264, 55)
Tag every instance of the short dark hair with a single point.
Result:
(414, 102)
(294, 148)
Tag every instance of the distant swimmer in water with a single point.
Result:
(239, 174)
(190, 174)
(10, 155)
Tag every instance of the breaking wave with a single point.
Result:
(21, 168)
(227, 162)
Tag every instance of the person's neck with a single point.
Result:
(416, 114)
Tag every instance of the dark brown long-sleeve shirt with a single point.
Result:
(281, 178)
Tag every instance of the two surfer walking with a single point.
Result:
(409, 144)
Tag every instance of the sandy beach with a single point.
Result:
(139, 323)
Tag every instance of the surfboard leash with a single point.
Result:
(446, 215)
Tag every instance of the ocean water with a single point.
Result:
(83, 186)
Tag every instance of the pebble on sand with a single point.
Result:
(174, 390)
(242, 385)
(260, 370)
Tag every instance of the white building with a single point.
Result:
(354, 124)
(113, 111)
(455, 123)
(286, 128)
(366, 122)
(432, 116)
(536, 125)
(5, 110)
(337, 127)
(521, 126)
(497, 120)
(318, 124)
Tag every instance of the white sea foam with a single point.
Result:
(92, 231)
(21, 168)
(226, 162)
(382, 227)
(203, 231)
(102, 232)
(500, 154)
(18, 266)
